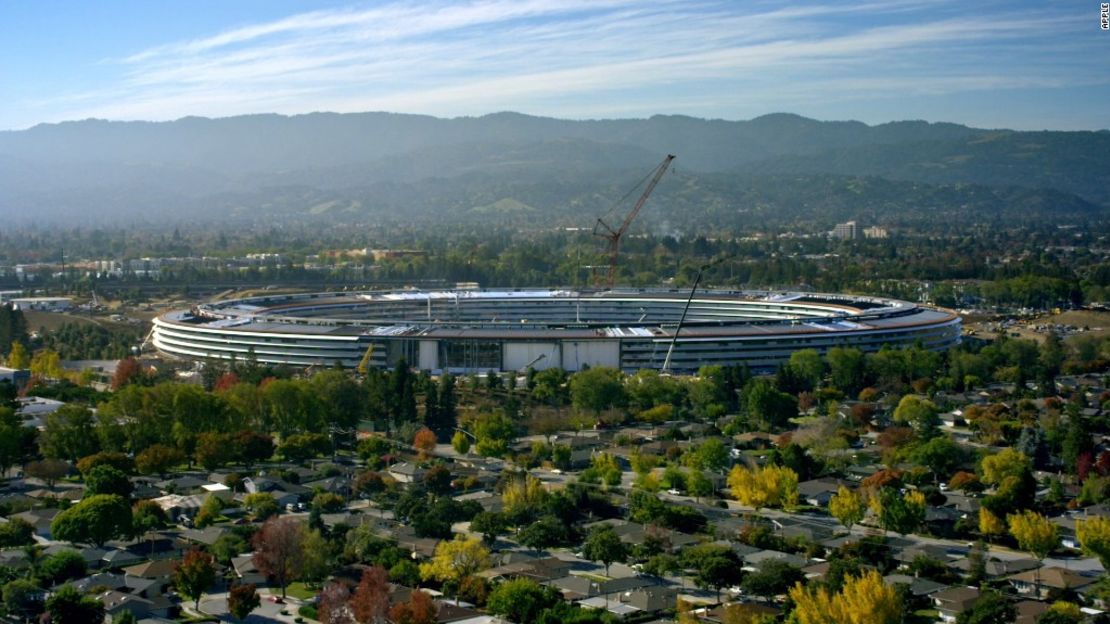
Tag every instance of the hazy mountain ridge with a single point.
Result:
(369, 164)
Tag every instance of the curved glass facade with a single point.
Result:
(464, 331)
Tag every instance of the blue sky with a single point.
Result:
(1025, 65)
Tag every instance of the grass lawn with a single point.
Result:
(923, 616)
(299, 591)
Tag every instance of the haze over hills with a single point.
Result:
(542, 171)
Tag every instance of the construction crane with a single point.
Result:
(364, 363)
(602, 229)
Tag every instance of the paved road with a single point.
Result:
(267, 613)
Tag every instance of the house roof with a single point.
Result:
(956, 598)
(814, 487)
(918, 586)
(1056, 578)
(113, 601)
(152, 569)
(1029, 610)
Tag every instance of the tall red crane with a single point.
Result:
(602, 229)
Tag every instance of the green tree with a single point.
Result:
(767, 405)
(261, 505)
(547, 532)
(22, 597)
(808, 367)
(847, 369)
(495, 432)
(941, 455)
(106, 479)
(598, 389)
(227, 547)
(316, 558)
(16, 532)
(489, 524)
(772, 578)
(119, 461)
(15, 439)
(920, 414)
(62, 566)
(522, 600)
(604, 545)
(715, 566)
(991, 608)
(69, 433)
(194, 574)
(69, 606)
(95, 520)
(461, 443)
(901, 514)
(210, 511)
(712, 454)
(303, 446)
(443, 419)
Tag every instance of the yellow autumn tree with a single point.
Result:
(1094, 538)
(769, 486)
(456, 559)
(1069, 610)
(990, 525)
(46, 363)
(18, 357)
(684, 612)
(526, 492)
(1034, 533)
(847, 506)
(1008, 462)
(864, 599)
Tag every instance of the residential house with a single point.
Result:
(40, 519)
(917, 586)
(817, 492)
(953, 601)
(539, 570)
(1040, 583)
(994, 567)
(177, 506)
(753, 561)
(246, 571)
(92, 556)
(158, 570)
(183, 485)
(119, 558)
(406, 472)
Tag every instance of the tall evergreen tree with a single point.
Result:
(402, 394)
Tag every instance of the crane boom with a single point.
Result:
(601, 228)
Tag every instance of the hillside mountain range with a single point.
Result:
(505, 166)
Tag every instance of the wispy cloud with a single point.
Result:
(587, 58)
